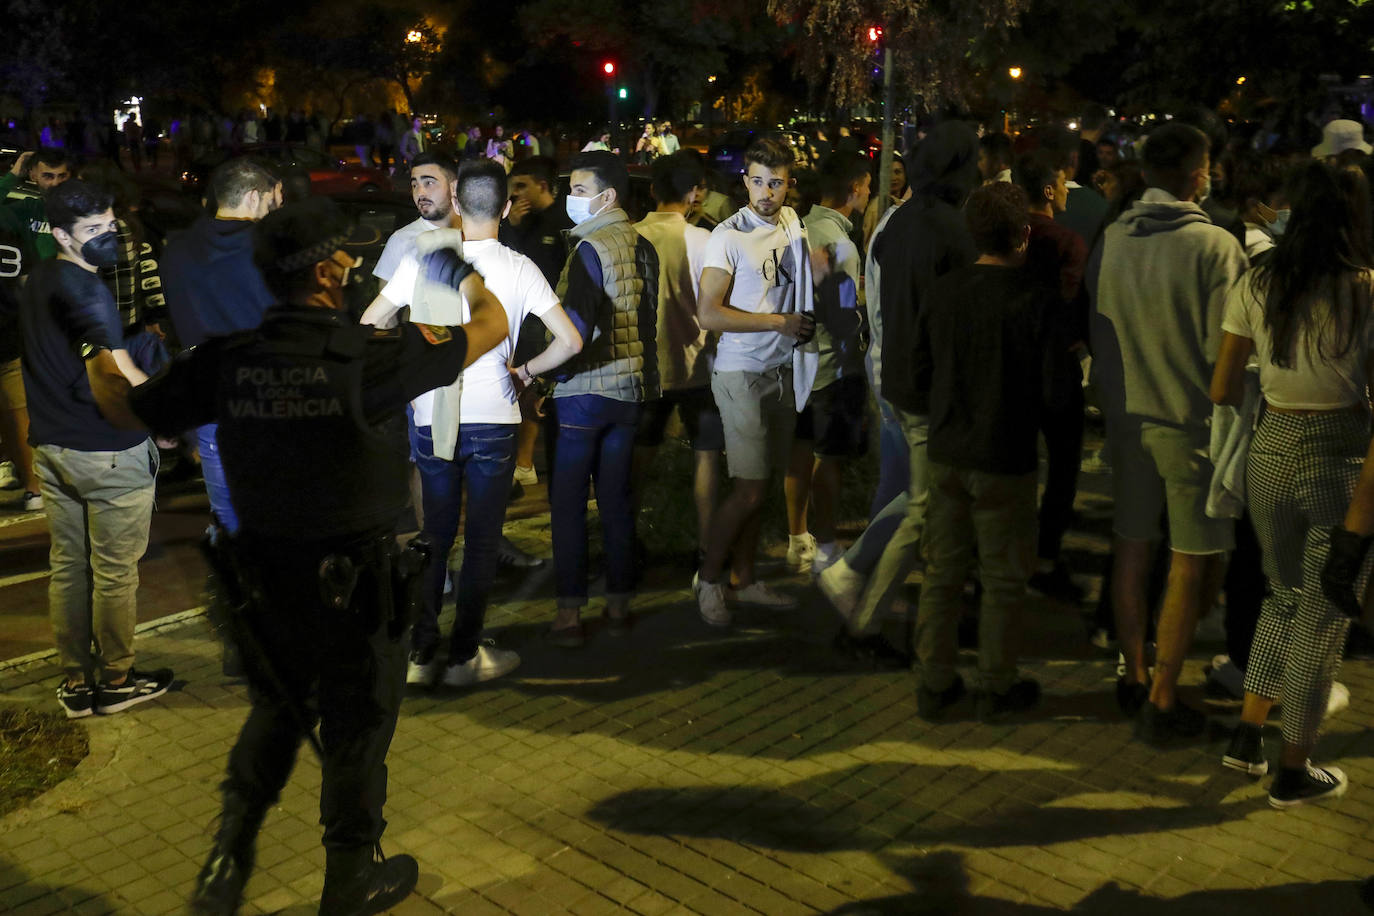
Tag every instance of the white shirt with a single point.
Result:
(758, 255)
(1313, 383)
(401, 242)
(488, 390)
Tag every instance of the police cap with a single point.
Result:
(297, 236)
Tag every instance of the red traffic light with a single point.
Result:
(609, 67)
(875, 32)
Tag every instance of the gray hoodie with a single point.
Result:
(1158, 281)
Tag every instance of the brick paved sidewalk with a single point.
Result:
(683, 770)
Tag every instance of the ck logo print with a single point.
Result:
(777, 268)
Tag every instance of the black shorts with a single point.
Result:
(697, 410)
(836, 419)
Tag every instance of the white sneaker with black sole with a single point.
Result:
(488, 664)
(137, 687)
(422, 669)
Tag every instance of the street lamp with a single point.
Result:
(414, 36)
(1014, 72)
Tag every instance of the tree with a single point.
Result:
(669, 47)
(932, 41)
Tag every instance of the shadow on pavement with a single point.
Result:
(860, 808)
(21, 893)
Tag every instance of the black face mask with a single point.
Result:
(102, 250)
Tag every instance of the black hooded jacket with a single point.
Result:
(925, 239)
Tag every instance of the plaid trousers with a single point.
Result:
(1300, 477)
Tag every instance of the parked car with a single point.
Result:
(376, 214)
(328, 174)
(641, 198)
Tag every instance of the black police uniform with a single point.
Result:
(312, 436)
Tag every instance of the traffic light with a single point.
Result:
(875, 33)
(624, 93)
(608, 68)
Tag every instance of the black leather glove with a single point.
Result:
(446, 267)
(1342, 568)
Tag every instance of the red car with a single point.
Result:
(328, 174)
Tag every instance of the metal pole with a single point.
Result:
(884, 188)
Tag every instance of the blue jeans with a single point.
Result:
(594, 438)
(212, 469)
(485, 459)
(894, 469)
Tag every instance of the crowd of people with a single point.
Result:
(1206, 295)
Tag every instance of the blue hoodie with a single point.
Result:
(212, 286)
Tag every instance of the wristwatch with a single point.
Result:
(87, 350)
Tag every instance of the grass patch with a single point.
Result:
(37, 751)
(667, 521)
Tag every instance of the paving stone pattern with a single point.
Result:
(686, 770)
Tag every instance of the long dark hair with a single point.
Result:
(1326, 242)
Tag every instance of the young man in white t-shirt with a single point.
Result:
(465, 433)
(754, 259)
(431, 178)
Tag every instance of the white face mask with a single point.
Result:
(580, 208)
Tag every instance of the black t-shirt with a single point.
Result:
(399, 365)
(541, 237)
(16, 258)
(979, 356)
(63, 306)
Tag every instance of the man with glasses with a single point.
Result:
(756, 291)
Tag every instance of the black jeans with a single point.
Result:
(344, 668)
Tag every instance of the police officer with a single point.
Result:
(307, 405)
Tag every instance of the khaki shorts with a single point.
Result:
(759, 413)
(1158, 468)
(12, 386)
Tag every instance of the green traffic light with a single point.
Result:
(624, 93)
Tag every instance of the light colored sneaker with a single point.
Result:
(1226, 679)
(801, 549)
(842, 587)
(1339, 700)
(33, 502)
(8, 479)
(422, 671)
(510, 555)
(488, 664)
(760, 595)
(823, 559)
(526, 477)
(711, 602)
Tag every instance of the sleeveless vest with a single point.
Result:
(299, 456)
(621, 362)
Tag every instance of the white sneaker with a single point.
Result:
(801, 548)
(824, 559)
(1339, 700)
(421, 672)
(526, 477)
(711, 602)
(760, 595)
(842, 587)
(32, 501)
(8, 479)
(488, 664)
